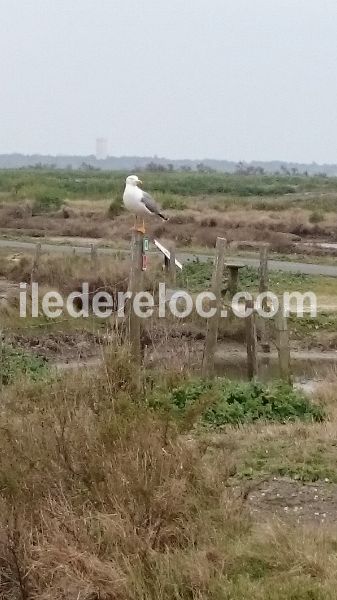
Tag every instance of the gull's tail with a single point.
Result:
(163, 217)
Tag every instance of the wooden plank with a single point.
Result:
(213, 322)
(166, 253)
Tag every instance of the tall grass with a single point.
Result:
(101, 498)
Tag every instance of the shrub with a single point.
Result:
(316, 217)
(115, 208)
(46, 201)
(100, 499)
(227, 402)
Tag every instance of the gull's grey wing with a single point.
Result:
(152, 206)
(150, 203)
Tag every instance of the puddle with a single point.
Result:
(309, 369)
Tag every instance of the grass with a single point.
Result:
(200, 207)
(15, 363)
(102, 497)
(71, 184)
(196, 276)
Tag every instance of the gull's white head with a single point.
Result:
(133, 180)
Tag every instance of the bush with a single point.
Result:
(100, 499)
(115, 208)
(46, 201)
(227, 402)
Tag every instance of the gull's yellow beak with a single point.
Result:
(139, 181)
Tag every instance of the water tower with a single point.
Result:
(101, 148)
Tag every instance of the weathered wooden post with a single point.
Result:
(233, 279)
(263, 287)
(135, 285)
(213, 322)
(282, 343)
(251, 340)
(172, 265)
(35, 262)
(93, 253)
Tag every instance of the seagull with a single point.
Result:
(140, 203)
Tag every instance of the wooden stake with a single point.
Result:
(282, 343)
(233, 280)
(135, 285)
(263, 271)
(213, 322)
(93, 253)
(263, 287)
(172, 265)
(252, 360)
(35, 262)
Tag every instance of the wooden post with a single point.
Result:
(93, 253)
(282, 343)
(263, 287)
(213, 322)
(35, 262)
(135, 285)
(172, 265)
(263, 271)
(233, 280)
(252, 360)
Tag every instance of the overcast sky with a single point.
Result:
(233, 79)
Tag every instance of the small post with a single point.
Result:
(282, 343)
(93, 253)
(1, 361)
(213, 322)
(263, 287)
(251, 340)
(263, 271)
(35, 262)
(135, 285)
(233, 280)
(172, 265)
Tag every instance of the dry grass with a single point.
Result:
(197, 225)
(102, 499)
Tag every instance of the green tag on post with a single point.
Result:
(145, 244)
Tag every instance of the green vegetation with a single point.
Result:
(279, 457)
(28, 183)
(46, 201)
(226, 402)
(196, 276)
(15, 363)
(103, 496)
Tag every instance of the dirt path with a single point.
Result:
(290, 500)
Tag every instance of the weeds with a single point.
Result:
(226, 402)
